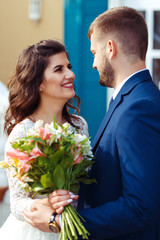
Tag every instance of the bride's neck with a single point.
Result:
(46, 113)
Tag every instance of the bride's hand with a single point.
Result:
(43, 201)
(39, 214)
(60, 198)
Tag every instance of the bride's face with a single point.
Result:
(58, 79)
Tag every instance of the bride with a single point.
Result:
(42, 86)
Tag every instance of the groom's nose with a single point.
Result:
(94, 64)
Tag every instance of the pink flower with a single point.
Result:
(21, 156)
(78, 159)
(47, 131)
(75, 152)
(72, 150)
(22, 167)
(44, 132)
(36, 152)
(26, 167)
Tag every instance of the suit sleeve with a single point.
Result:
(138, 144)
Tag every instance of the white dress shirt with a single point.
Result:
(122, 83)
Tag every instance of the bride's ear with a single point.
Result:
(41, 87)
(111, 49)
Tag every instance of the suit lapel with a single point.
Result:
(106, 119)
(126, 89)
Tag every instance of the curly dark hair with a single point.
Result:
(24, 85)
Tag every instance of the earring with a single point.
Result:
(40, 89)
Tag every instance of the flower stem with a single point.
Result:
(68, 231)
(70, 224)
(74, 221)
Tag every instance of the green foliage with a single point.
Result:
(54, 123)
(36, 187)
(54, 168)
(47, 180)
(59, 177)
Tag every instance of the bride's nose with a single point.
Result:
(70, 74)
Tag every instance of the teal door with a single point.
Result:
(78, 15)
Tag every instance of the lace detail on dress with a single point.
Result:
(82, 124)
(19, 198)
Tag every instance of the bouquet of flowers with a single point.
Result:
(53, 157)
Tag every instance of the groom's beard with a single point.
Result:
(107, 74)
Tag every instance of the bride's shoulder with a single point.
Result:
(21, 128)
(78, 120)
(81, 123)
(19, 131)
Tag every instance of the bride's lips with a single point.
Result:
(68, 85)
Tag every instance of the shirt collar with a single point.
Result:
(122, 83)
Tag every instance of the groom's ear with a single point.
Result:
(111, 49)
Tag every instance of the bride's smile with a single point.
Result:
(58, 79)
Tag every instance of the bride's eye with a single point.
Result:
(58, 69)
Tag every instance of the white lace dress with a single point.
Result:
(15, 227)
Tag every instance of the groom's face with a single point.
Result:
(101, 62)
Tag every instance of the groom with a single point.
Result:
(125, 202)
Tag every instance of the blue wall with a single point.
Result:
(78, 15)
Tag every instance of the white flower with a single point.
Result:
(32, 132)
(36, 129)
(67, 129)
(55, 134)
(79, 138)
(38, 124)
(66, 125)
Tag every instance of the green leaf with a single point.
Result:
(67, 162)
(61, 126)
(36, 187)
(59, 177)
(15, 145)
(46, 180)
(43, 162)
(88, 181)
(36, 139)
(54, 123)
(74, 188)
(79, 170)
(58, 156)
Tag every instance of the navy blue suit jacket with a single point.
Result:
(125, 202)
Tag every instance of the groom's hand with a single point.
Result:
(39, 215)
(60, 198)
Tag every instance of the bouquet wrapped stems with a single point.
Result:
(71, 225)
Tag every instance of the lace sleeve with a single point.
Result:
(82, 124)
(19, 199)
